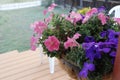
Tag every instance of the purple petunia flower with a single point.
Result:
(98, 55)
(89, 66)
(87, 46)
(113, 36)
(104, 47)
(92, 50)
(86, 67)
(90, 54)
(89, 39)
(82, 16)
(83, 73)
(106, 50)
(113, 54)
(101, 9)
(103, 34)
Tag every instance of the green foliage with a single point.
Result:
(76, 56)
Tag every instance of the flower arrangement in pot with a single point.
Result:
(86, 42)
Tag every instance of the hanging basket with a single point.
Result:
(73, 70)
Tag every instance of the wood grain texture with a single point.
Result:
(27, 66)
(116, 72)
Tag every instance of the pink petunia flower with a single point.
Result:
(47, 20)
(74, 17)
(32, 26)
(39, 27)
(117, 20)
(33, 47)
(52, 43)
(89, 14)
(76, 36)
(71, 42)
(33, 42)
(69, 19)
(92, 11)
(45, 12)
(85, 19)
(50, 8)
(63, 15)
(53, 5)
(102, 18)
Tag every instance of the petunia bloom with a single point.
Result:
(39, 27)
(47, 20)
(113, 54)
(101, 9)
(74, 17)
(45, 11)
(117, 20)
(92, 50)
(50, 8)
(89, 14)
(86, 67)
(103, 34)
(113, 36)
(33, 42)
(86, 18)
(76, 36)
(92, 11)
(71, 42)
(89, 39)
(89, 66)
(52, 43)
(102, 18)
(83, 73)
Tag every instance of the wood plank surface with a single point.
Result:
(27, 65)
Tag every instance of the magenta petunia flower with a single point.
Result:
(39, 27)
(33, 47)
(102, 18)
(33, 42)
(52, 43)
(45, 12)
(71, 42)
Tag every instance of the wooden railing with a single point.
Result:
(89, 3)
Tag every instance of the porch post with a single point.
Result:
(116, 70)
(81, 3)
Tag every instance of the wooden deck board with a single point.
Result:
(27, 66)
(39, 74)
(7, 54)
